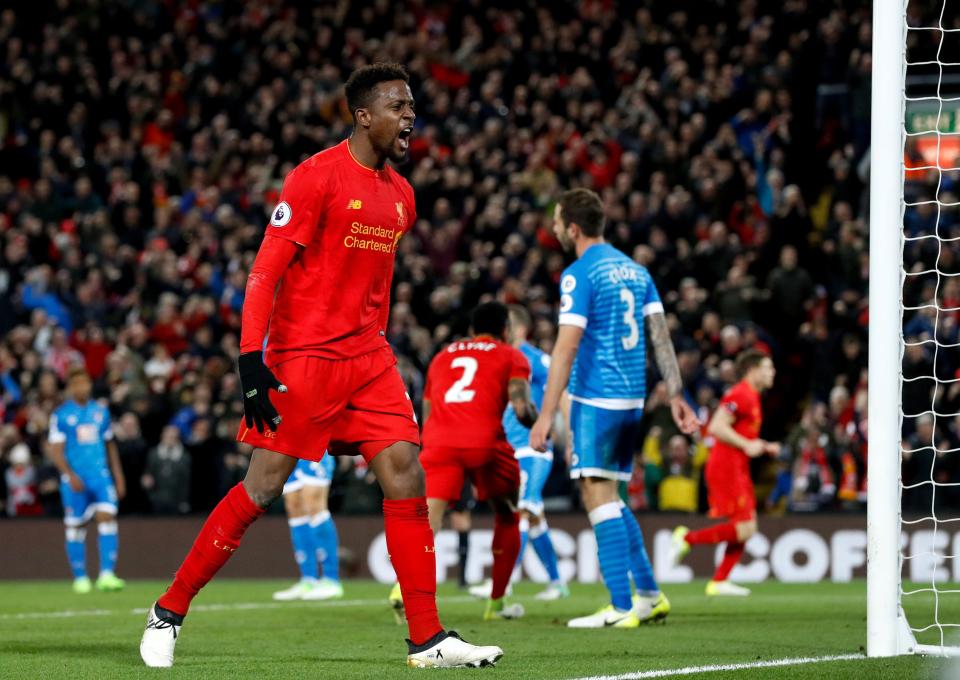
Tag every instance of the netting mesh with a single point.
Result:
(930, 307)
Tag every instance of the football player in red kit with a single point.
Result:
(469, 385)
(735, 428)
(318, 293)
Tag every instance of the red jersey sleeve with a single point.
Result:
(297, 215)
(272, 260)
(734, 401)
(519, 365)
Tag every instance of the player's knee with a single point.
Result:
(746, 529)
(263, 492)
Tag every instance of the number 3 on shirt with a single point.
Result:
(458, 392)
(629, 341)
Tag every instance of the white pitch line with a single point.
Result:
(236, 606)
(695, 670)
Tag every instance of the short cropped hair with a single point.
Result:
(585, 209)
(360, 84)
(520, 315)
(490, 318)
(749, 360)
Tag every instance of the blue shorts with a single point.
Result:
(604, 441)
(98, 495)
(311, 473)
(534, 470)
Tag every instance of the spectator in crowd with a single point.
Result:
(21, 483)
(142, 158)
(166, 476)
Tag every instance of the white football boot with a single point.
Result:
(448, 650)
(325, 589)
(482, 591)
(554, 591)
(726, 589)
(608, 617)
(298, 591)
(159, 639)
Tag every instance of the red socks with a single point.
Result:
(217, 541)
(410, 544)
(506, 547)
(732, 555)
(718, 533)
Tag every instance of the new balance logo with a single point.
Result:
(439, 654)
(354, 204)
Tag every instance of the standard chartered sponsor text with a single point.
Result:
(358, 230)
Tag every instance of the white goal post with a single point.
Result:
(888, 628)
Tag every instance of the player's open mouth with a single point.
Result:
(403, 139)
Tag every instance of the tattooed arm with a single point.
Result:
(666, 360)
(523, 406)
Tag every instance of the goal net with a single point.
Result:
(913, 600)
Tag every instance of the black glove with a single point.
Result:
(256, 381)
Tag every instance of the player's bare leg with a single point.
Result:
(506, 548)
(217, 541)
(411, 548)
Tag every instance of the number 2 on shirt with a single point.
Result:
(629, 341)
(458, 392)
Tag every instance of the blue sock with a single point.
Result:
(304, 552)
(77, 551)
(326, 541)
(640, 566)
(107, 542)
(614, 553)
(543, 546)
(524, 535)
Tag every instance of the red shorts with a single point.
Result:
(493, 471)
(339, 404)
(730, 491)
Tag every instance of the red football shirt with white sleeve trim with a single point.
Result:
(467, 385)
(349, 219)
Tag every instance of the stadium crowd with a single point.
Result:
(144, 145)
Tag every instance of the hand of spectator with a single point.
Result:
(539, 433)
(147, 482)
(683, 415)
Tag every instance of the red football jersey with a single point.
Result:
(333, 300)
(467, 389)
(743, 403)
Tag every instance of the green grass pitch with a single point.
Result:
(235, 631)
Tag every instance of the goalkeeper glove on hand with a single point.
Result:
(256, 381)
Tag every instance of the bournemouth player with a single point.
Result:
(735, 428)
(91, 480)
(606, 299)
(312, 531)
(320, 285)
(535, 465)
(469, 384)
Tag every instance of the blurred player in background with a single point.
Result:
(320, 284)
(735, 427)
(535, 465)
(312, 532)
(469, 385)
(91, 479)
(606, 299)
